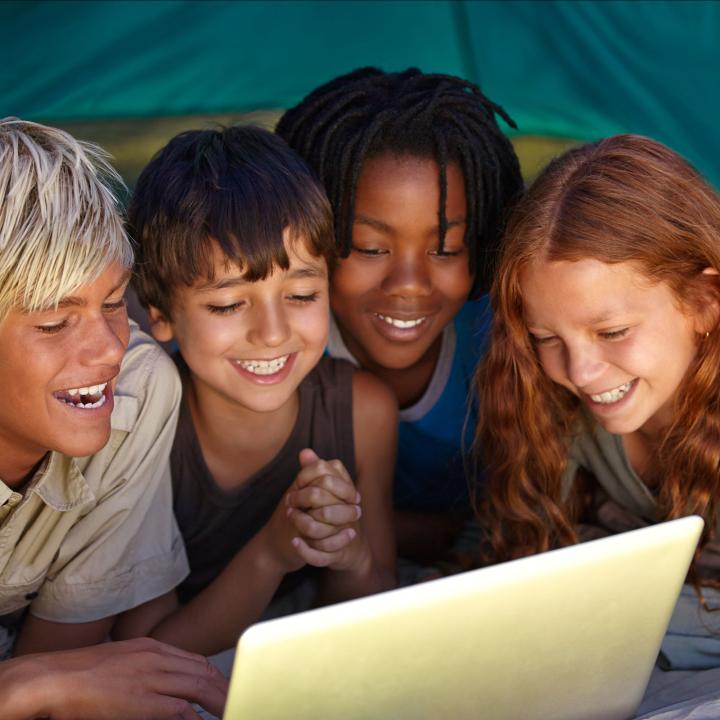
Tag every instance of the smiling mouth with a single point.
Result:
(263, 367)
(87, 398)
(401, 324)
(612, 396)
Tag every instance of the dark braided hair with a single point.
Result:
(369, 112)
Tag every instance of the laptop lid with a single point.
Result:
(569, 634)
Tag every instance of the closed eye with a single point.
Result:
(369, 252)
(614, 334)
(51, 329)
(224, 309)
(114, 306)
(311, 297)
(542, 339)
(447, 253)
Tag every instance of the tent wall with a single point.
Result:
(567, 69)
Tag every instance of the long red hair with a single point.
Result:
(623, 199)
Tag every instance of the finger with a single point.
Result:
(342, 470)
(308, 456)
(338, 485)
(308, 527)
(342, 514)
(313, 471)
(190, 714)
(335, 543)
(135, 704)
(311, 556)
(311, 497)
(208, 688)
(154, 651)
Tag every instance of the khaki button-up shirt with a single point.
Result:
(91, 537)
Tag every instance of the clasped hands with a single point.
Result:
(317, 521)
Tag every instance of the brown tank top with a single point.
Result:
(216, 523)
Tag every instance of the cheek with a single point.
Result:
(206, 334)
(121, 327)
(553, 365)
(313, 323)
(454, 282)
(354, 277)
(550, 366)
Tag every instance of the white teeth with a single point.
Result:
(264, 367)
(88, 406)
(403, 324)
(91, 390)
(611, 396)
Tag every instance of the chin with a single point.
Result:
(400, 357)
(84, 444)
(620, 427)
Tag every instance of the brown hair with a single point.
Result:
(240, 187)
(623, 199)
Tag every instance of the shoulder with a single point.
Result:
(472, 331)
(474, 317)
(330, 373)
(475, 314)
(593, 448)
(147, 371)
(375, 409)
(148, 386)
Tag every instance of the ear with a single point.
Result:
(160, 326)
(709, 316)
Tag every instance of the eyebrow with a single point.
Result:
(74, 301)
(298, 273)
(601, 318)
(383, 227)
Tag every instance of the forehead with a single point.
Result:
(105, 282)
(587, 291)
(296, 247)
(390, 184)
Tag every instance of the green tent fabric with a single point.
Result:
(590, 69)
(136, 59)
(567, 69)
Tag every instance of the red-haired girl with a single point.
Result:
(601, 391)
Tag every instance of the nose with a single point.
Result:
(408, 276)
(584, 364)
(105, 340)
(269, 325)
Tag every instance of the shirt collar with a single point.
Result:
(60, 484)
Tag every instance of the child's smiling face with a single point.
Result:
(58, 368)
(251, 343)
(394, 294)
(622, 345)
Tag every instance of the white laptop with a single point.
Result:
(567, 635)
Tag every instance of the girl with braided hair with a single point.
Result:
(600, 392)
(420, 177)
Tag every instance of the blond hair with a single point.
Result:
(60, 224)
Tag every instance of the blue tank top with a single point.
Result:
(435, 433)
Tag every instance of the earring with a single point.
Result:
(707, 334)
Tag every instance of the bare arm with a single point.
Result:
(45, 635)
(133, 680)
(214, 619)
(375, 430)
